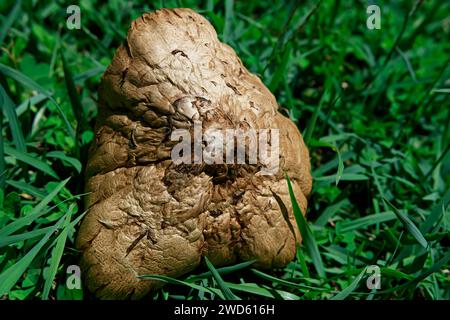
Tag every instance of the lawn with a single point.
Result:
(372, 104)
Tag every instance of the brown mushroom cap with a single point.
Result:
(148, 215)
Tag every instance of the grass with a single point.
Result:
(373, 106)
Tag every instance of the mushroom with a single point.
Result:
(149, 214)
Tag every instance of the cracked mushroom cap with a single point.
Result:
(149, 215)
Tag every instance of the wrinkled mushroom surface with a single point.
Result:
(148, 215)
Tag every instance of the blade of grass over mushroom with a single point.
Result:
(348, 290)
(182, 283)
(222, 285)
(10, 111)
(344, 177)
(32, 161)
(307, 235)
(35, 213)
(410, 226)
(27, 82)
(57, 253)
(285, 214)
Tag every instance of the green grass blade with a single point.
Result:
(221, 271)
(182, 283)
(32, 161)
(330, 211)
(35, 213)
(57, 254)
(80, 78)
(22, 186)
(340, 169)
(443, 90)
(344, 177)
(9, 21)
(286, 283)
(75, 102)
(62, 156)
(222, 285)
(347, 291)
(422, 276)
(407, 63)
(307, 235)
(228, 20)
(301, 259)
(23, 79)
(10, 111)
(437, 212)
(410, 226)
(2, 159)
(434, 268)
(10, 276)
(364, 222)
(256, 289)
(281, 70)
(307, 135)
(21, 108)
(438, 161)
(29, 83)
(8, 240)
